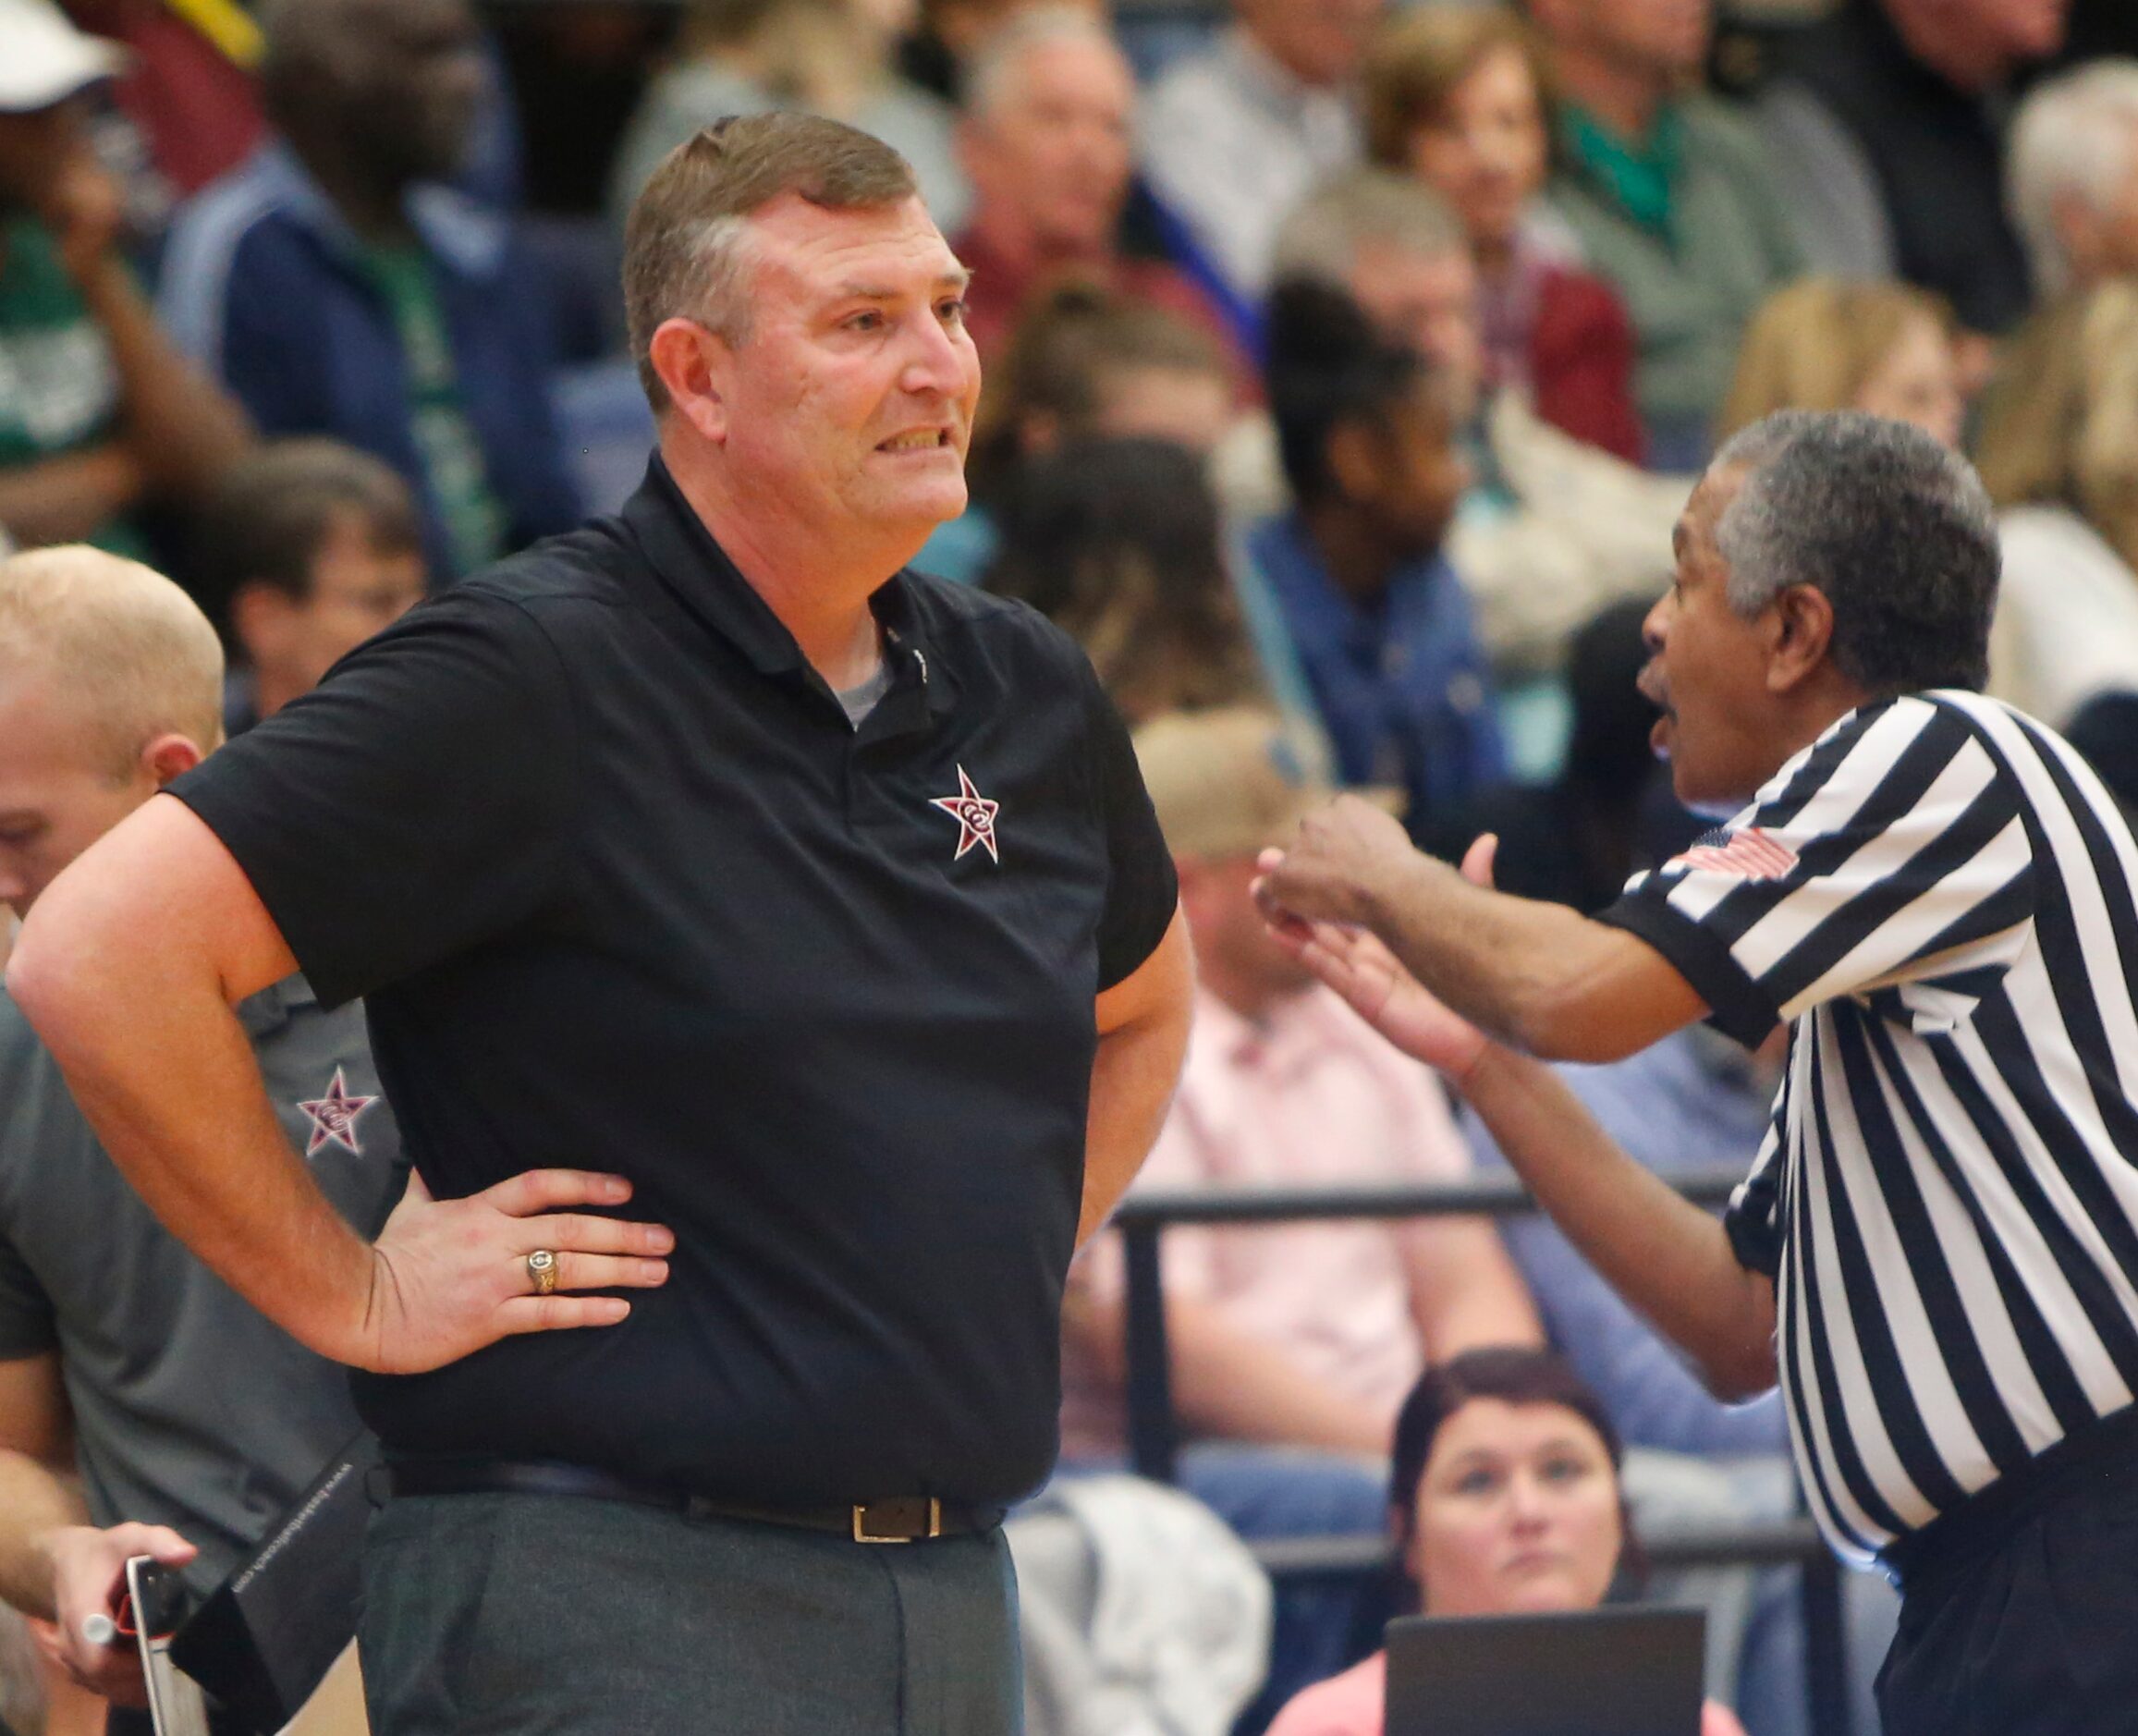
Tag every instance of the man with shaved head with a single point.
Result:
(1047, 141)
(144, 1408)
(339, 286)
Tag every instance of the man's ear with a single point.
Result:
(1803, 631)
(691, 362)
(170, 756)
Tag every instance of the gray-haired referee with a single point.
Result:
(1938, 1248)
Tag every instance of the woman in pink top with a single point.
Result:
(1505, 1500)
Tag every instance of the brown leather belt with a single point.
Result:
(898, 1519)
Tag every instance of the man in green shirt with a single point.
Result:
(99, 414)
(1666, 189)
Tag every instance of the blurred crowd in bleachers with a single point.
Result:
(1347, 365)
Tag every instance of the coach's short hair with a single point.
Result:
(1894, 528)
(685, 241)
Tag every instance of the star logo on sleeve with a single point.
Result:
(975, 816)
(334, 1117)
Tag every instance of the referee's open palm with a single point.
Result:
(1373, 981)
(449, 1276)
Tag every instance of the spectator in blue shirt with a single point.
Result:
(340, 288)
(1367, 434)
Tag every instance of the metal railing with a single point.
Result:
(1154, 1431)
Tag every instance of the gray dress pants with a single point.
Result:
(514, 1615)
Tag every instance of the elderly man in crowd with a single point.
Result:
(822, 900)
(1292, 1345)
(1046, 139)
(2072, 177)
(1933, 1250)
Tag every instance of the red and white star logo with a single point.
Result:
(334, 1117)
(974, 814)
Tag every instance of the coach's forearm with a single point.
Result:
(1669, 1259)
(1142, 1040)
(161, 1066)
(1132, 1080)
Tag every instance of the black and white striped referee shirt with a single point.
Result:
(1938, 895)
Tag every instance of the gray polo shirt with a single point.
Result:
(190, 1410)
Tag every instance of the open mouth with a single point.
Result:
(917, 440)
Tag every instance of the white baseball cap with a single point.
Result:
(45, 60)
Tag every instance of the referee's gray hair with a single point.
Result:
(2074, 137)
(1896, 530)
(992, 77)
(1363, 207)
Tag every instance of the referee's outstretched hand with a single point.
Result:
(1373, 983)
(1345, 857)
(449, 1276)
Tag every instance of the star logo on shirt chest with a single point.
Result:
(334, 1117)
(975, 816)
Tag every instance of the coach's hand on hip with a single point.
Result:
(449, 1276)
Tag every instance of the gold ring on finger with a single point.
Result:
(541, 1268)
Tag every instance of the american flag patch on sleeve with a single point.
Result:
(1754, 854)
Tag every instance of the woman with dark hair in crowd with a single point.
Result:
(1457, 96)
(1505, 1500)
(1118, 543)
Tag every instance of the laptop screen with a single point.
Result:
(1632, 1671)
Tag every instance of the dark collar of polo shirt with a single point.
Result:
(701, 590)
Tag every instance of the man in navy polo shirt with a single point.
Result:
(821, 901)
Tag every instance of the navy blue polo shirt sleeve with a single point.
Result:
(412, 807)
(1141, 889)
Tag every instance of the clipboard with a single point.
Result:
(151, 1614)
(279, 1633)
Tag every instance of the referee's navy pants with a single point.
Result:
(2021, 1619)
(509, 1615)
